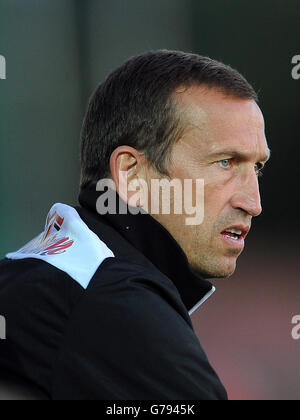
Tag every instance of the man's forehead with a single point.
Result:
(216, 123)
(202, 103)
(243, 139)
(241, 144)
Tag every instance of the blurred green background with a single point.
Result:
(58, 51)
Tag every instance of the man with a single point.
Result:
(98, 306)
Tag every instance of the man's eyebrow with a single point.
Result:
(238, 155)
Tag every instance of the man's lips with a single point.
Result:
(241, 230)
(235, 235)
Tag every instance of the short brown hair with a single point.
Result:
(134, 107)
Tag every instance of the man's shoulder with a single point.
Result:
(86, 253)
(82, 252)
(28, 285)
(66, 244)
(128, 280)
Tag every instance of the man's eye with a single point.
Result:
(225, 163)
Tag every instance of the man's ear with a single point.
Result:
(126, 166)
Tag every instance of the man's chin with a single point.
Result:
(215, 271)
(219, 275)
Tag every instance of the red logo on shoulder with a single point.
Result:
(56, 243)
(52, 241)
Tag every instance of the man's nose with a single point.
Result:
(247, 198)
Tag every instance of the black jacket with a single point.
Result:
(98, 307)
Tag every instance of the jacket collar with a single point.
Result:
(158, 246)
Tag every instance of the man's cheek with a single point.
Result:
(216, 198)
(194, 193)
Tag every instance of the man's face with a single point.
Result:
(224, 144)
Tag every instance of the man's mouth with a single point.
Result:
(235, 235)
